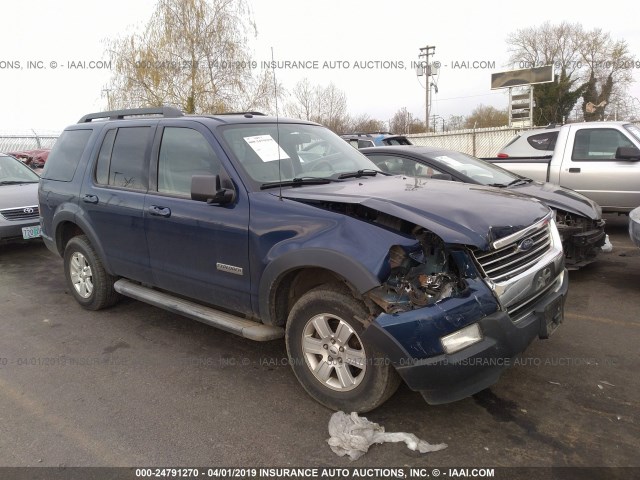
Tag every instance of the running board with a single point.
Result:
(222, 320)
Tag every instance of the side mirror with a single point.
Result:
(627, 153)
(210, 189)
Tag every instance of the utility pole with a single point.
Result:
(425, 53)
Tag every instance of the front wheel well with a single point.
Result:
(295, 283)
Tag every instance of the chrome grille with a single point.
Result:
(20, 213)
(507, 262)
(521, 309)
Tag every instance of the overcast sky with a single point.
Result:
(366, 32)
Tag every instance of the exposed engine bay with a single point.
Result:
(581, 237)
(419, 276)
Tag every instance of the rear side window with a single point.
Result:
(122, 161)
(543, 141)
(65, 155)
(365, 143)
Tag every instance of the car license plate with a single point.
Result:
(553, 316)
(30, 232)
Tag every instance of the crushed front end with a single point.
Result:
(582, 238)
(453, 317)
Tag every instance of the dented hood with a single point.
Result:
(561, 198)
(458, 213)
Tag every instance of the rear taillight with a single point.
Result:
(503, 155)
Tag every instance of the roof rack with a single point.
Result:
(167, 112)
(364, 134)
(240, 113)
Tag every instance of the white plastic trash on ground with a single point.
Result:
(607, 247)
(353, 435)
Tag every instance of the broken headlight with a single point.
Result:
(419, 276)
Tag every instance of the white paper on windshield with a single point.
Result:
(452, 162)
(266, 148)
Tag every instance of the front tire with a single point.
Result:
(86, 278)
(330, 359)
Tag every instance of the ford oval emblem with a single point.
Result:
(525, 245)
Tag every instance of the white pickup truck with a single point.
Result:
(600, 160)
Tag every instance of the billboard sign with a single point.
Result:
(519, 78)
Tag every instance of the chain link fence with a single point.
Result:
(12, 142)
(479, 142)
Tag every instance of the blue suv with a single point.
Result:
(371, 278)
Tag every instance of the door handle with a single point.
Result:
(90, 198)
(574, 170)
(160, 211)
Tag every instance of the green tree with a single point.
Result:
(554, 101)
(191, 54)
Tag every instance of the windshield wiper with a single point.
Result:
(296, 182)
(517, 181)
(16, 182)
(367, 172)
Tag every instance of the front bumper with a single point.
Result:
(443, 378)
(10, 231)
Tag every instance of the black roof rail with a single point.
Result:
(364, 134)
(240, 113)
(167, 112)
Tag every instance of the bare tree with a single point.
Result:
(191, 54)
(325, 105)
(608, 64)
(455, 122)
(484, 116)
(364, 123)
(589, 64)
(404, 122)
(304, 101)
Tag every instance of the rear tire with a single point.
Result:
(86, 278)
(329, 358)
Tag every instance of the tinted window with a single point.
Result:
(183, 153)
(543, 141)
(14, 171)
(365, 143)
(396, 141)
(126, 159)
(104, 158)
(65, 155)
(402, 166)
(598, 144)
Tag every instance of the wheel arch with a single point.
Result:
(291, 275)
(69, 225)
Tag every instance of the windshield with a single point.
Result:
(482, 172)
(633, 130)
(13, 171)
(270, 153)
